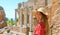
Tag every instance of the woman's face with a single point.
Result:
(39, 16)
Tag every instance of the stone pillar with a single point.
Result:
(18, 12)
(30, 33)
(21, 12)
(25, 28)
(25, 17)
(20, 17)
(15, 16)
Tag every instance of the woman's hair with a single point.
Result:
(45, 20)
(44, 17)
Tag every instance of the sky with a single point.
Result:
(10, 6)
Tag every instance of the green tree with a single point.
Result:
(8, 22)
(12, 21)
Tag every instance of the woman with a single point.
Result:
(42, 28)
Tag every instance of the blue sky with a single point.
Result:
(10, 6)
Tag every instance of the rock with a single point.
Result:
(2, 18)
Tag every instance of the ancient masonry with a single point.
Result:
(2, 18)
(24, 11)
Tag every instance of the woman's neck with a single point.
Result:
(39, 21)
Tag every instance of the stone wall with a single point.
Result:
(52, 6)
(54, 12)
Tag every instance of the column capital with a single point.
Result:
(16, 10)
(19, 5)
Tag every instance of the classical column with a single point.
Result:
(35, 1)
(30, 18)
(25, 17)
(49, 3)
(15, 16)
(20, 17)
(20, 10)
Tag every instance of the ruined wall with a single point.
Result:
(54, 19)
